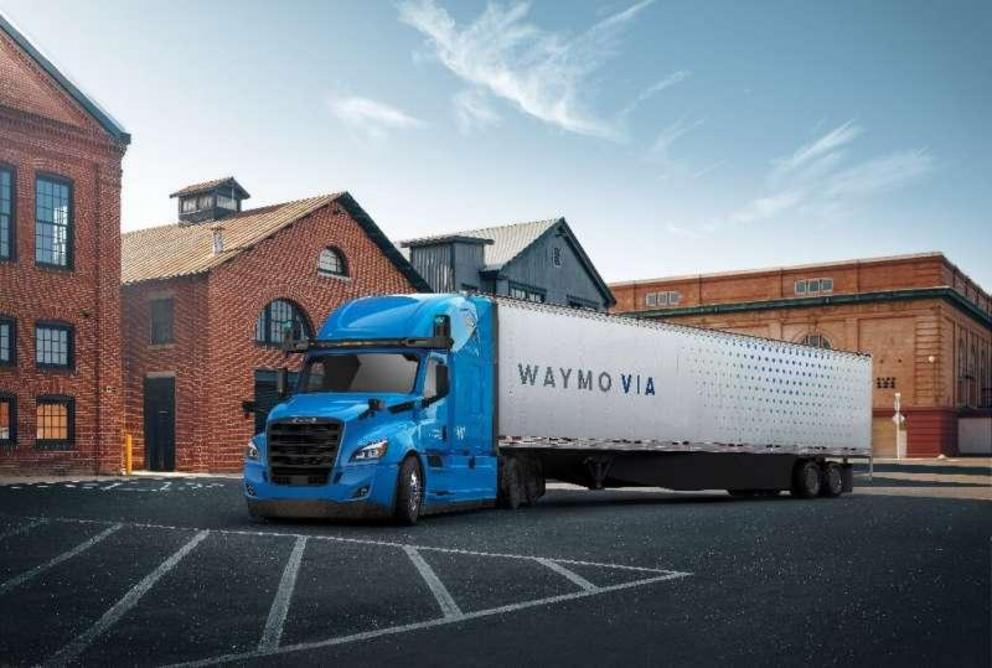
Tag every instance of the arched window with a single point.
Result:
(278, 317)
(817, 341)
(331, 263)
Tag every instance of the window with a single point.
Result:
(278, 318)
(814, 286)
(161, 319)
(8, 421)
(668, 298)
(556, 256)
(674, 298)
(651, 299)
(527, 293)
(6, 213)
(8, 341)
(205, 201)
(189, 205)
(361, 372)
(227, 202)
(53, 345)
(331, 263)
(817, 341)
(53, 222)
(55, 420)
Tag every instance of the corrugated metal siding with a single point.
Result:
(434, 264)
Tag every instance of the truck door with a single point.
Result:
(447, 467)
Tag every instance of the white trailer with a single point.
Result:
(604, 401)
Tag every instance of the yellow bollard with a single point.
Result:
(127, 454)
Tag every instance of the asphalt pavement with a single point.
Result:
(167, 571)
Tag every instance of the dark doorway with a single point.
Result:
(160, 424)
(266, 396)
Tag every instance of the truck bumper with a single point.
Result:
(362, 491)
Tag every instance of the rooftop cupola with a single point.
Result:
(211, 200)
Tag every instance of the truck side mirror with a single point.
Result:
(441, 381)
(282, 382)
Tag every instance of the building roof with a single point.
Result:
(504, 243)
(89, 105)
(508, 241)
(210, 185)
(784, 268)
(175, 250)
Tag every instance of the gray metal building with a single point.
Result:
(540, 261)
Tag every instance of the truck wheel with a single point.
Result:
(534, 484)
(409, 492)
(510, 492)
(806, 479)
(832, 483)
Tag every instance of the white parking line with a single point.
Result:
(449, 608)
(416, 626)
(280, 604)
(571, 575)
(71, 652)
(55, 561)
(22, 529)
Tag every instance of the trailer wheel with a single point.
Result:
(533, 485)
(806, 479)
(409, 492)
(832, 483)
(510, 488)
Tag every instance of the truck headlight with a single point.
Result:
(251, 452)
(371, 451)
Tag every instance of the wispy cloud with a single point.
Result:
(652, 90)
(660, 152)
(473, 111)
(818, 179)
(370, 118)
(547, 75)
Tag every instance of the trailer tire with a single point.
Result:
(511, 491)
(806, 479)
(832, 483)
(409, 492)
(533, 486)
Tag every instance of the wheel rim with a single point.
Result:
(834, 479)
(413, 503)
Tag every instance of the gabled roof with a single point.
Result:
(508, 241)
(504, 243)
(210, 185)
(175, 250)
(101, 116)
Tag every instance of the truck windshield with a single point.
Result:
(360, 372)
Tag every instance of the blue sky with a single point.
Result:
(676, 137)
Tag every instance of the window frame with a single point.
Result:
(11, 255)
(12, 321)
(69, 402)
(70, 227)
(58, 325)
(805, 287)
(151, 321)
(557, 259)
(529, 291)
(11, 400)
(342, 262)
(266, 317)
(674, 297)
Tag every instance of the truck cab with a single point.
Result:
(391, 415)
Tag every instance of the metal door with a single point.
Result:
(160, 424)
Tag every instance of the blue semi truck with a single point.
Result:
(406, 405)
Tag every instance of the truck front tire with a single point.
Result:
(409, 492)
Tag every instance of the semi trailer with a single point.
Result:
(407, 405)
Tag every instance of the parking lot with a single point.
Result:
(171, 571)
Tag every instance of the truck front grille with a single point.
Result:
(303, 453)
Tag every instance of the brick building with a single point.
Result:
(206, 302)
(60, 342)
(926, 324)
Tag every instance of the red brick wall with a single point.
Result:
(88, 296)
(186, 357)
(212, 380)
